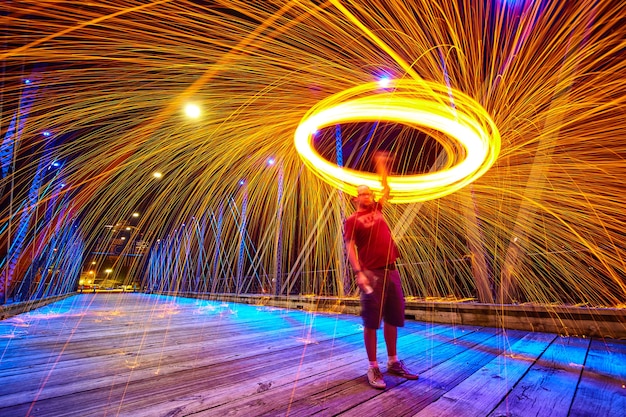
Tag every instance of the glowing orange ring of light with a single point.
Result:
(414, 103)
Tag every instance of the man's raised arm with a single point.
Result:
(381, 160)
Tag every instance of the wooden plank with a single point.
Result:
(141, 355)
(549, 386)
(175, 357)
(92, 332)
(314, 374)
(181, 384)
(200, 383)
(145, 340)
(437, 380)
(196, 367)
(349, 385)
(485, 388)
(310, 365)
(158, 360)
(602, 387)
(567, 320)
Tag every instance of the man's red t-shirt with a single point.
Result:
(370, 232)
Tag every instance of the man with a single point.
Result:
(372, 253)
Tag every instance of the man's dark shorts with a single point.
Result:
(386, 302)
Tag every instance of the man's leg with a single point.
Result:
(371, 312)
(369, 336)
(374, 376)
(395, 366)
(394, 314)
(391, 339)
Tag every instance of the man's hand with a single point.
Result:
(382, 160)
(363, 282)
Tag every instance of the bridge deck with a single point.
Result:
(150, 355)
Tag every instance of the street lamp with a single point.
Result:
(192, 110)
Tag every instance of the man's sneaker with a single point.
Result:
(375, 378)
(400, 369)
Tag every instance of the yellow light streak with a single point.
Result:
(409, 103)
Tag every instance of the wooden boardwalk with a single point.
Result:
(150, 355)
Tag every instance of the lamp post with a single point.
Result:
(108, 276)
